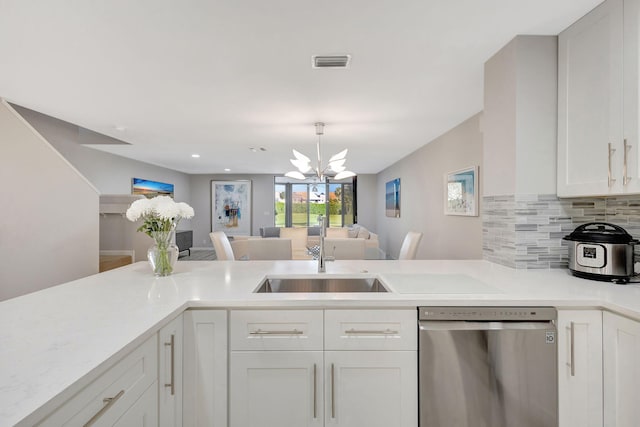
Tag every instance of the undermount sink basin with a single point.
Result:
(323, 284)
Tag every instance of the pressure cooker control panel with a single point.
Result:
(591, 255)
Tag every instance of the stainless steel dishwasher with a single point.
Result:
(488, 367)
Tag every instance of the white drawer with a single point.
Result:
(276, 330)
(124, 383)
(371, 329)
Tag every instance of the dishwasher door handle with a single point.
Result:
(462, 325)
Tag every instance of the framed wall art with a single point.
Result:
(150, 189)
(461, 192)
(231, 207)
(392, 198)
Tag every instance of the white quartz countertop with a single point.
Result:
(54, 342)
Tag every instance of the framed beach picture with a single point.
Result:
(231, 207)
(392, 198)
(461, 192)
(150, 189)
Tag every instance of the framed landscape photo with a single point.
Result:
(461, 192)
(150, 189)
(392, 198)
(231, 207)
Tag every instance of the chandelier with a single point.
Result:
(334, 168)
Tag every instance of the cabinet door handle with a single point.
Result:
(333, 393)
(573, 353)
(371, 332)
(625, 177)
(261, 332)
(610, 180)
(172, 384)
(315, 393)
(108, 403)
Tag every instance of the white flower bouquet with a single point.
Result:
(160, 217)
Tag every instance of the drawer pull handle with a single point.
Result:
(371, 332)
(333, 392)
(610, 179)
(573, 350)
(625, 178)
(315, 397)
(261, 332)
(108, 403)
(173, 346)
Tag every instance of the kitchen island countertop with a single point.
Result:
(55, 341)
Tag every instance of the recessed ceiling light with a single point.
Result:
(120, 128)
(195, 156)
(254, 150)
(263, 149)
(227, 170)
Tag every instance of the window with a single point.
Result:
(300, 204)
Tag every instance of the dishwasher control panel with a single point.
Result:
(488, 314)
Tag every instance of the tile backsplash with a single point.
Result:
(526, 231)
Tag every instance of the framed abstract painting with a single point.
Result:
(231, 207)
(461, 192)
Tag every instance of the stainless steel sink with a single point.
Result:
(323, 284)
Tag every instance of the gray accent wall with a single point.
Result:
(422, 175)
(49, 227)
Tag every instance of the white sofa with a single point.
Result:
(306, 237)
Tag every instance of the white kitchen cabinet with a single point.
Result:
(590, 93)
(205, 368)
(170, 373)
(580, 368)
(276, 388)
(621, 339)
(143, 413)
(631, 98)
(323, 368)
(371, 388)
(126, 394)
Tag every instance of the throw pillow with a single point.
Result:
(270, 232)
(353, 231)
(363, 233)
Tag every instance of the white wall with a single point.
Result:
(368, 201)
(49, 227)
(422, 197)
(109, 173)
(520, 117)
(499, 122)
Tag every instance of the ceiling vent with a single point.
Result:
(331, 61)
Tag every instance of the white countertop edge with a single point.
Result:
(38, 410)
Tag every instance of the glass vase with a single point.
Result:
(163, 255)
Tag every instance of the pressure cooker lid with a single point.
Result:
(600, 232)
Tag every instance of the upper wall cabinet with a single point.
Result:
(598, 152)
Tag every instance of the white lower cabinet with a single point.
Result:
(362, 371)
(580, 368)
(371, 388)
(205, 368)
(276, 389)
(170, 374)
(143, 413)
(125, 395)
(621, 371)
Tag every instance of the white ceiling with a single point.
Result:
(216, 77)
